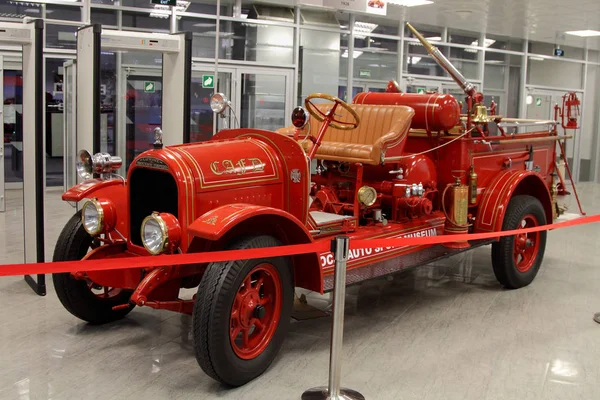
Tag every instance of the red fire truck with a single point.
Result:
(391, 165)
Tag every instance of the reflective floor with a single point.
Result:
(447, 331)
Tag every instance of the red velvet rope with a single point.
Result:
(318, 247)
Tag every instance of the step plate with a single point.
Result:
(401, 263)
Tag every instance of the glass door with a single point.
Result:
(421, 86)
(359, 87)
(204, 85)
(142, 93)
(12, 124)
(343, 92)
(264, 98)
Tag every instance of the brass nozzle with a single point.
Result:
(428, 46)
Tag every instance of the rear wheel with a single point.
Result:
(83, 298)
(242, 313)
(517, 259)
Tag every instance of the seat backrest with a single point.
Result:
(375, 122)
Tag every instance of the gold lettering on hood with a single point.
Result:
(241, 167)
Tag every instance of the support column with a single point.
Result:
(174, 25)
(177, 75)
(88, 87)
(33, 153)
(86, 12)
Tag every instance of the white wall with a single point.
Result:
(590, 109)
(320, 62)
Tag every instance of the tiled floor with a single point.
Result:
(438, 332)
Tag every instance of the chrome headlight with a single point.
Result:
(92, 217)
(219, 103)
(160, 233)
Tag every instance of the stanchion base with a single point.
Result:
(597, 317)
(322, 393)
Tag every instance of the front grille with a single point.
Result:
(149, 191)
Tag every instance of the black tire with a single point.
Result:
(74, 294)
(218, 289)
(509, 273)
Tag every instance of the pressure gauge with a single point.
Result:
(367, 196)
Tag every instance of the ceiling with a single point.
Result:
(540, 20)
(537, 20)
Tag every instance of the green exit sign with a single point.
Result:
(149, 87)
(208, 81)
(165, 2)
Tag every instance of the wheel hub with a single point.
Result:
(248, 307)
(526, 245)
(259, 312)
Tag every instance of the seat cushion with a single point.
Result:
(380, 128)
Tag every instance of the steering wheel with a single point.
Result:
(321, 116)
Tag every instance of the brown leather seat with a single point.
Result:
(380, 128)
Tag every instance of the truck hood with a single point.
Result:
(215, 165)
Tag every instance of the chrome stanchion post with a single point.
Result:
(340, 248)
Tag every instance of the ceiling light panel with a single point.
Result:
(584, 33)
(363, 29)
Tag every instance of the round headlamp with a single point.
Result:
(219, 103)
(100, 163)
(160, 233)
(85, 165)
(92, 217)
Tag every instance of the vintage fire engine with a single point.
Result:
(391, 165)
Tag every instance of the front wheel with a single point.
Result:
(242, 313)
(82, 298)
(517, 259)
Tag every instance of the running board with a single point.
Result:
(401, 263)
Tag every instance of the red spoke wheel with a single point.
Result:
(85, 299)
(255, 311)
(242, 313)
(517, 259)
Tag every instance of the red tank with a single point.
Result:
(433, 112)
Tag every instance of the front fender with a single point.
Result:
(214, 224)
(87, 188)
(218, 227)
(501, 190)
(114, 190)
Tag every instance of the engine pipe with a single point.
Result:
(474, 97)
(465, 85)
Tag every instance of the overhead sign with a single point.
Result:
(378, 7)
(365, 73)
(149, 87)
(538, 101)
(208, 81)
(165, 2)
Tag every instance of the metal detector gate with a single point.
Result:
(30, 36)
(70, 120)
(2, 188)
(176, 77)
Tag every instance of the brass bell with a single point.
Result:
(481, 115)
